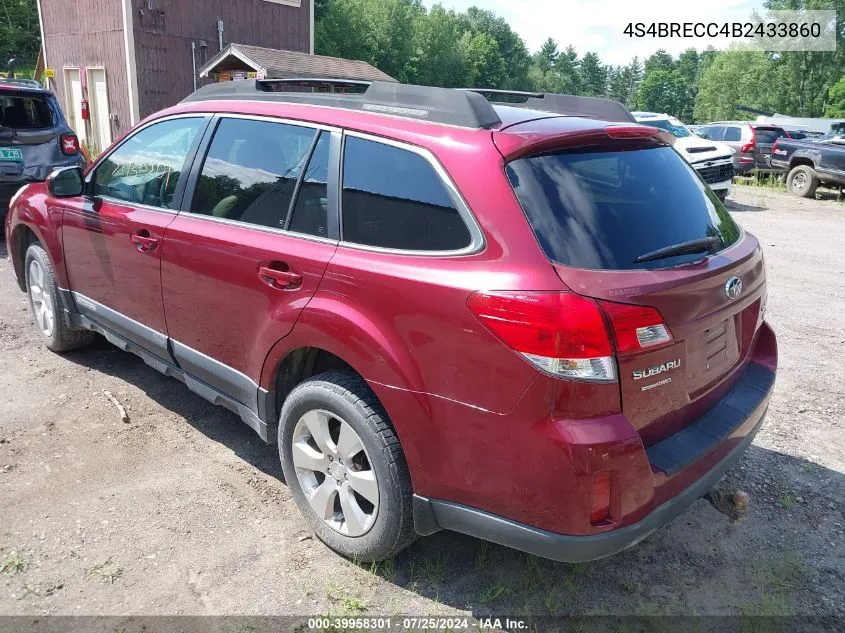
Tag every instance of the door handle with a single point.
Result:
(279, 278)
(143, 241)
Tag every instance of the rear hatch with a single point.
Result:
(30, 127)
(603, 213)
(764, 139)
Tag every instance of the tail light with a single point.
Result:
(630, 131)
(600, 510)
(69, 144)
(562, 334)
(750, 145)
(636, 327)
(566, 335)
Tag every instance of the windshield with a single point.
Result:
(676, 128)
(22, 111)
(601, 210)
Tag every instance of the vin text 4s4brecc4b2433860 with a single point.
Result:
(530, 322)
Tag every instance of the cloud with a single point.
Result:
(598, 25)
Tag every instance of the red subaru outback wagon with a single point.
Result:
(531, 323)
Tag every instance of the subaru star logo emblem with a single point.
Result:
(733, 288)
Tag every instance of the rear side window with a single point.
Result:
(251, 170)
(601, 210)
(393, 198)
(732, 133)
(767, 135)
(25, 112)
(712, 132)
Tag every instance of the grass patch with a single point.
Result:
(106, 571)
(14, 564)
(492, 593)
(434, 569)
(787, 501)
(775, 580)
(352, 604)
(483, 555)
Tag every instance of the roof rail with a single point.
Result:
(570, 105)
(440, 105)
(29, 83)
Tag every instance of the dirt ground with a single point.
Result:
(183, 510)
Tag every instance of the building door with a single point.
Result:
(98, 99)
(73, 96)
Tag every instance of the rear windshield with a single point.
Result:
(601, 210)
(768, 135)
(21, 111)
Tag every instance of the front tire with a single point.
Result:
(802, 181)
(345, 468)
(43, 295)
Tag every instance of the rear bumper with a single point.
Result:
(726, 431)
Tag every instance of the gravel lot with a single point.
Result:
(183, 510)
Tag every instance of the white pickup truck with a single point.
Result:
(713, 161)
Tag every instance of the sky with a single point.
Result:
(597, 25)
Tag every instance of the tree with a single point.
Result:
(512, 51)
(661, 91)
(736, 77)
(20, 34)
(546, 57)
(593, 76)
(836, 107)
(568, 71)
(440, 56)
(689, 70)
(660, 60)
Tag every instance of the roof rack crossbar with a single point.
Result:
(569, 105)
(31, 83)
(440, 105)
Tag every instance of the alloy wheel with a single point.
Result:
(42, 303)
(335, 472)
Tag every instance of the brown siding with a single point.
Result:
(88, 33)
(163, 40)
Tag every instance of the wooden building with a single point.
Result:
(125, 59)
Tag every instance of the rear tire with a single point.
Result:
(320, 418)
(43, 295)
(722, 194)
(802, 181)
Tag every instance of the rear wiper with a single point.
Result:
(685, 248)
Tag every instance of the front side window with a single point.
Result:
(146, 168)
(251, 171)
(393, 198)
(310, 213)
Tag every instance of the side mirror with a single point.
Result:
(66, 182)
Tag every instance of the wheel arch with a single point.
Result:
(801, 160)
(21, 237)
(331, 334)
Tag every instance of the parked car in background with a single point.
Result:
(34, 137)
(751, 142)
(811, 163)
(532, 324)
(713, 161)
